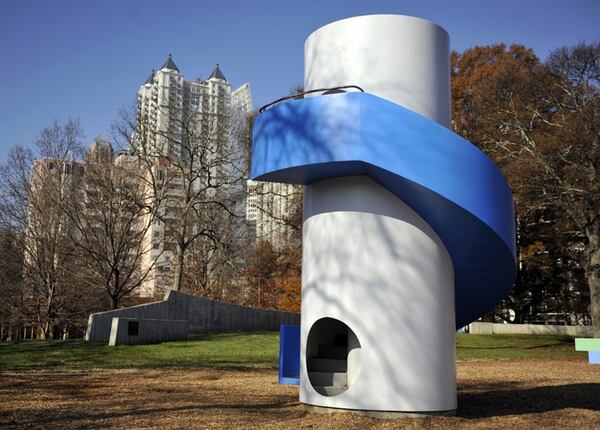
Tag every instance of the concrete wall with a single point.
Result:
(566, 330)
(403, 59)
(201, 313)
(148, 331)
(369, 260)
(372, 263)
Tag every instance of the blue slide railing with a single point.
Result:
(450, 183)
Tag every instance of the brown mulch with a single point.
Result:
(492, 394)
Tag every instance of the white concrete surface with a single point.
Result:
(149, 331)
(561, 330)
(368, 259)
(403, 59)
(203, 315)
(372, 263)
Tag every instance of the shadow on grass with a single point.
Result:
(475, 401)
(40, 345)
(485, 404)
(503, 341)
(519, 401)
(227, 351)
(547, 345)
(40, 417)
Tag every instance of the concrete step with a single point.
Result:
(332, 351)
(319, 364)
(333, 379)
(329, 391)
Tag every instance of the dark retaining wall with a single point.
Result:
(203, 315)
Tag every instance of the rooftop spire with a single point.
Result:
(150, 78)
(170, 64)
(217, 74)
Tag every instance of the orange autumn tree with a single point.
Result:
(261, 272)
(275, 276)
(540, 123)
(288, 283)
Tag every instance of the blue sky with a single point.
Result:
(85, 59)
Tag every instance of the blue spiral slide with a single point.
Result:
(450, 183)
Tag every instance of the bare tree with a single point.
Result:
(214, 269)
(35, 186)
(573, 168)
(194, 170)
(110, 223)
(541, 123)
(11, 281)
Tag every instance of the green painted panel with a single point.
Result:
(587, 344)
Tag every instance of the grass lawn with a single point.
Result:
(515, 346)
(221, 350)
(242, 351)
(228, 380)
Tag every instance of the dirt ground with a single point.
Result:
(492, 394)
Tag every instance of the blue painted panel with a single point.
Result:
(594, 357)
(289, 354)
(449, 182)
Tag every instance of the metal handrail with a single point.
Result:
(293, 96)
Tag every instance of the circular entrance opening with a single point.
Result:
(332, 356)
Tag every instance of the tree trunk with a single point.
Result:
(259, 294)
(114, 302)
(593, 274)
(179, 269)
(45, 329)
(46, 326)
(114, 298)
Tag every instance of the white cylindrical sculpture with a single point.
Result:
(378, 321)
(403, 59)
